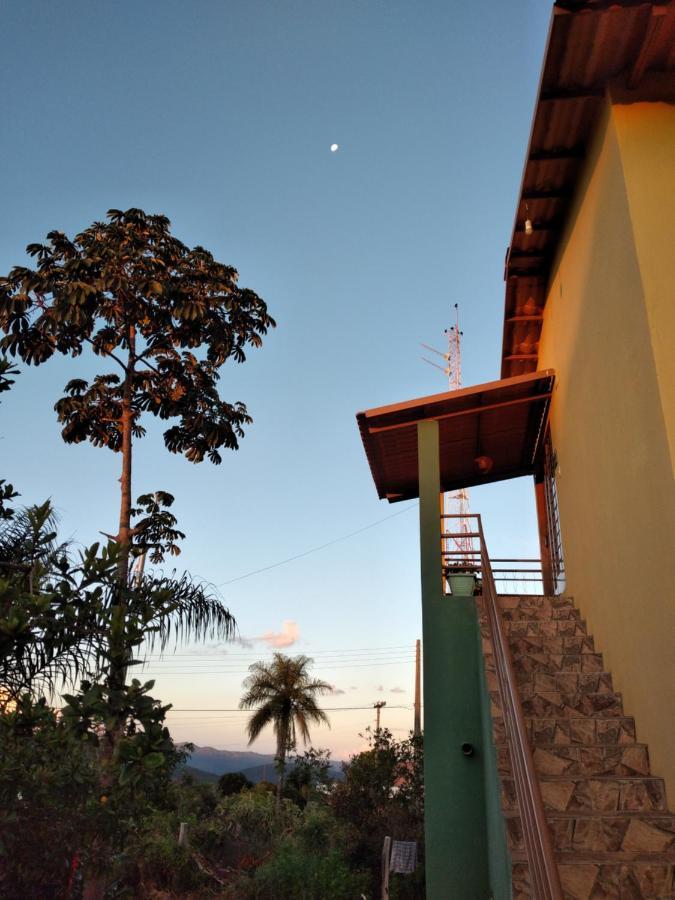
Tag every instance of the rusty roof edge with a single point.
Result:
(392, 408)
(561, 9)
(363, 429)
(521, 188)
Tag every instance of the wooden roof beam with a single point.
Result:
(539, 225)
(571, 6)
(528, 254)
(525, 272)
(549, 194)
(656, 20)
(558, 153)
(571, 94)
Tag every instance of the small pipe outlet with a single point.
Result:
(467, 749)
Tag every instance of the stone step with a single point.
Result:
(626, 759)
(550, 664)
(615, 833)
(560, 732)
(548, 704)
(564, 682)
(600, 793)
(593, 879)
(538, 612)
(525, 601)
(558, 704)
(545, 628)
(563, 645)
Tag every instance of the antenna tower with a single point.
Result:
(455, 502)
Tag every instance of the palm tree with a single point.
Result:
(284, 696)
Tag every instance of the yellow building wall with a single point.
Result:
(646, 136)
(607, 326)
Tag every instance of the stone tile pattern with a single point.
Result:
(608, 816)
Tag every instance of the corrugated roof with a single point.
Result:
(592, 43)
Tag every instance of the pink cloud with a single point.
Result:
(397, 690)
(288, 635)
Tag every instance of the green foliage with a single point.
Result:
(7, 494)
(305, 875)
(6, 371)
(308, 775)
(244, 828)
(56, 612)
(156, 533)
(284, 696)
(167, 317)
(143, 750)
(383, 794)
(55, 617)
(132, 292)
(233, 783)
(48, 799)
(47, 627)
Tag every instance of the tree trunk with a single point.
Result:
(118, 661)
(96, 880)
(127, 421)
(282, 742)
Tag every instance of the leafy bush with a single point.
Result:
(233, 783)
(48, 800)
(302, 874)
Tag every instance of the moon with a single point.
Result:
(334, 148)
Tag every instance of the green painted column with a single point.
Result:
(455, 823)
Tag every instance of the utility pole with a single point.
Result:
(418, 705)
(378, 706)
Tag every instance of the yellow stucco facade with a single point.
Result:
(609, 332)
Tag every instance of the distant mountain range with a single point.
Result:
(217, 762)
(207, 764)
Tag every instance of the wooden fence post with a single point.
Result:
(183, 835)
(386, 856)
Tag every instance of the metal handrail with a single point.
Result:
(544, 875)
(532, 572)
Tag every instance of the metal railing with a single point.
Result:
(522, 576)
(544, 875)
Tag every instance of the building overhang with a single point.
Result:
(489, 432)
(621, 49)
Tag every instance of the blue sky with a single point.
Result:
(221, 116)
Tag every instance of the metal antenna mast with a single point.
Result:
(455, 502)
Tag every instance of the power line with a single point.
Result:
(240, 654)
(325, 661)
(247, 711)
(337, 540)
(240, 672)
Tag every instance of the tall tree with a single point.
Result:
(284, 696)
(168, 317)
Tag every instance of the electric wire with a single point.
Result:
(344, 537)
(247, 711)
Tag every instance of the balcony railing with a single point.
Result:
(544, 876)
(511, 575)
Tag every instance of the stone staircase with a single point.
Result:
(611, 830)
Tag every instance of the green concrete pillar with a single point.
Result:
(455, 822)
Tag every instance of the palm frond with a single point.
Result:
(283, 694)
(179, 608)
(260, 719)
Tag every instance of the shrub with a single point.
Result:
(301, 874)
